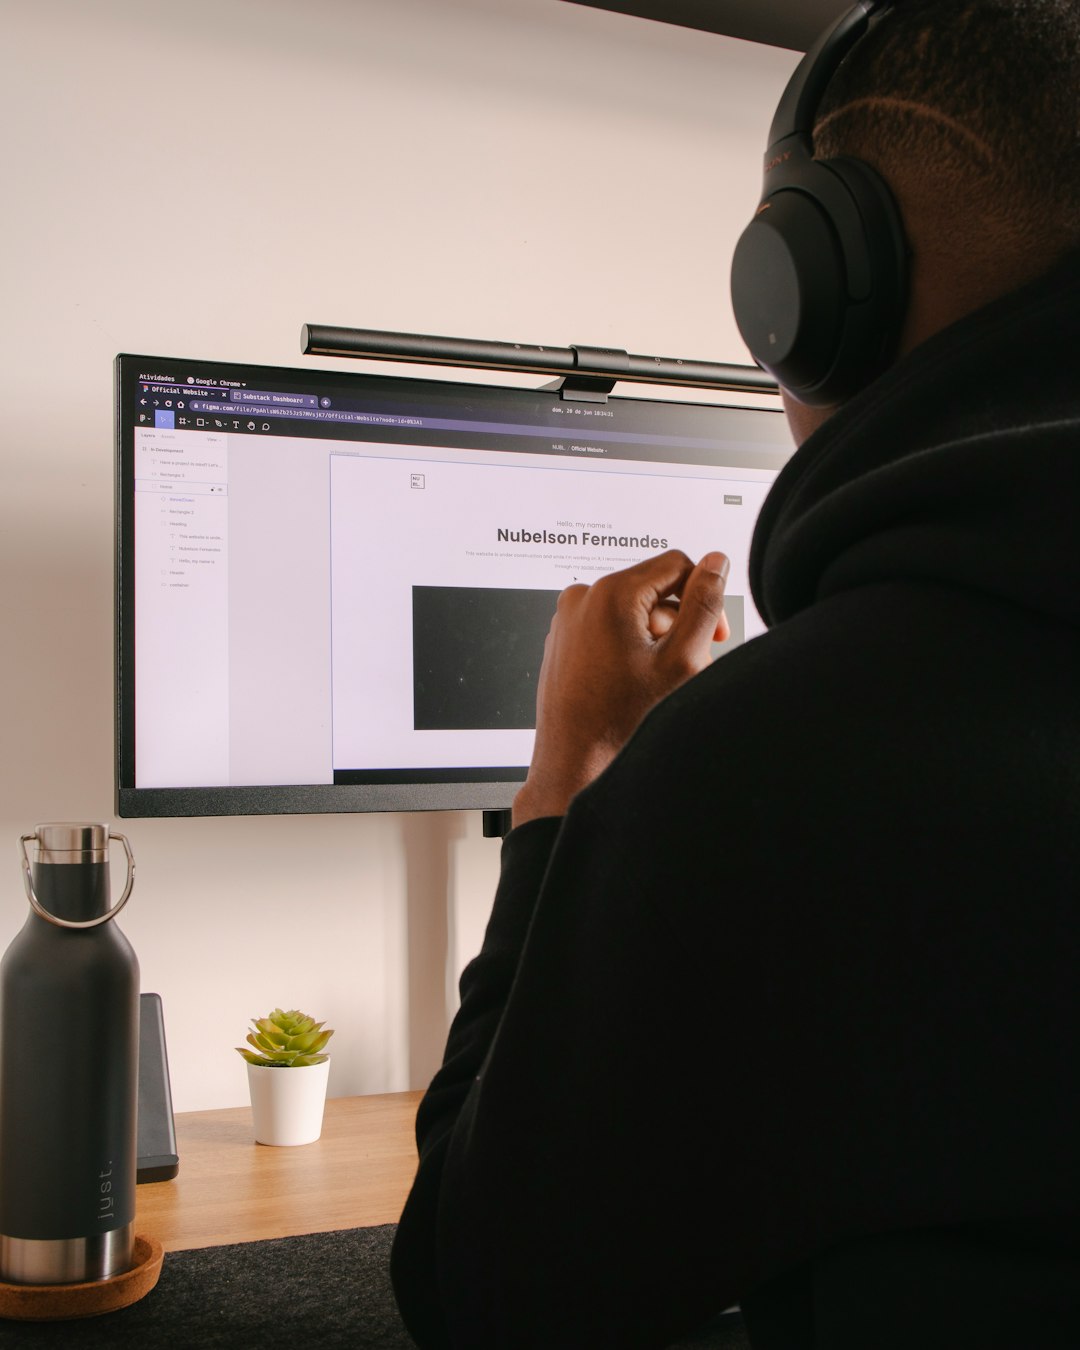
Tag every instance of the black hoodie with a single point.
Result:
(786, 1009)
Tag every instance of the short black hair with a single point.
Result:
(1002, 78)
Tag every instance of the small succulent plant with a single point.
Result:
(286, 1040)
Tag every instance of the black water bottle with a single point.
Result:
(69, 1067)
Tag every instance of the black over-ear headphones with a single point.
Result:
(819, 276)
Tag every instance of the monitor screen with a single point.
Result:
(334, 588)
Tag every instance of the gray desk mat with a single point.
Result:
(326, 1290)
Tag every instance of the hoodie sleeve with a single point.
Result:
(559, 1198)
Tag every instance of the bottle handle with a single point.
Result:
(42, 912)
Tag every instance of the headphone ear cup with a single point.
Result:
(787, 286)
(819, 279)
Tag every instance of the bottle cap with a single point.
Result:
(72, 842)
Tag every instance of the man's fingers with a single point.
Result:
(683, 604)
(662, 617)
(654, 578)
(700, 620)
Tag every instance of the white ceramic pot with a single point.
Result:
(287, 1104)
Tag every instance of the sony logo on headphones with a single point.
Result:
(775, 162)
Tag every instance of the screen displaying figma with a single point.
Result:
(334, 588)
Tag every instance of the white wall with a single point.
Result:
(199, 179)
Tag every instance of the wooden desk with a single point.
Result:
(231, 1189)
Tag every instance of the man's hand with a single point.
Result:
(614, 650)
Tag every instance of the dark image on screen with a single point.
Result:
(476, 656)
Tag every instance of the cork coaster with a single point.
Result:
(64, 1302)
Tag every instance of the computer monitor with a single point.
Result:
(333, 588)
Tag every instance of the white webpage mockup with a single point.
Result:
(275, 578)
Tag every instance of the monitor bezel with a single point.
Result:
(134, 802)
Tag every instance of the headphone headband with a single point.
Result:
(797, 109)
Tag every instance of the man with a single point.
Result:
(779, 999)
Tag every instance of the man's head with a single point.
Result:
(970, 112)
